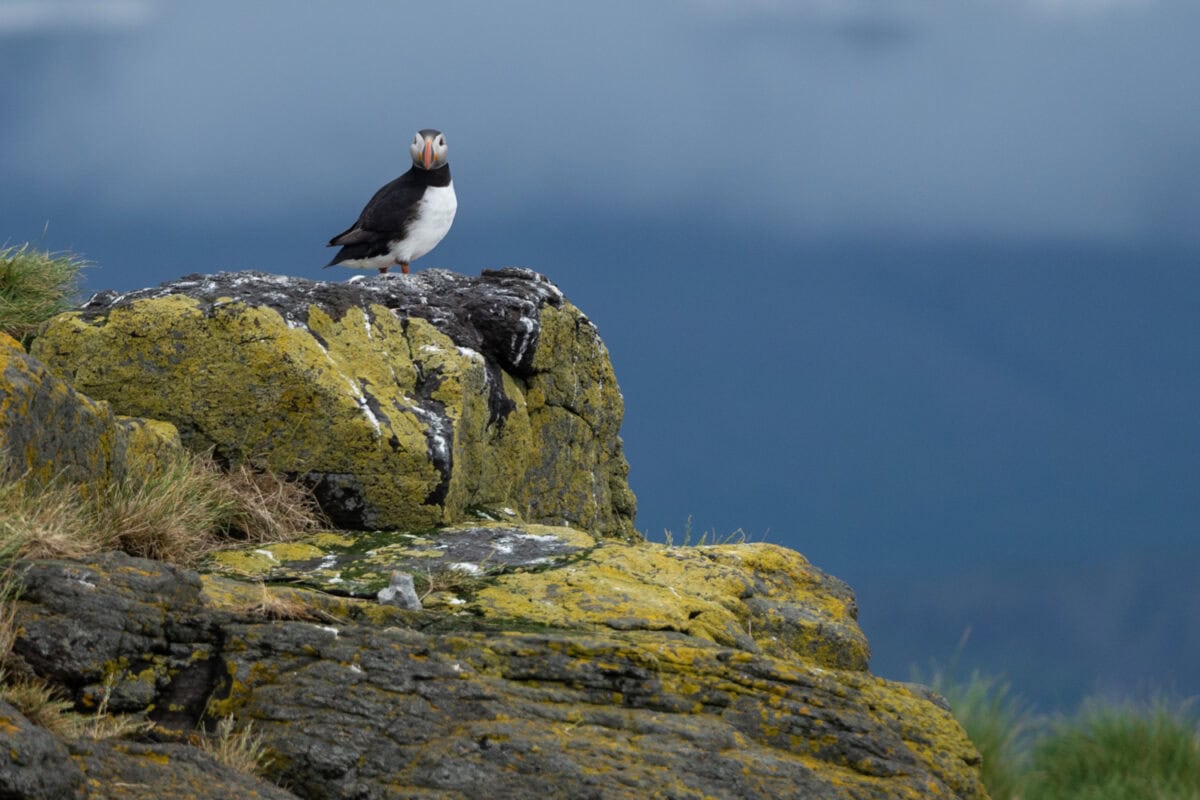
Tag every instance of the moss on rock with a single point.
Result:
(361, 564)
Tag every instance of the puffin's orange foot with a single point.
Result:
(404, 267)
(383, 270)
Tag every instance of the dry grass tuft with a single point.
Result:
(282, 604)
(8, 617)
(103, 725)
(709, 538)
(180, 514)
(172, 515)
(450, 580)
(39, 521)
(43, 705)
(39, 703)
(240, 749)
(268, 508)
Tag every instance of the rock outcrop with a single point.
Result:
(406, 402)
(755, 597)
(358, 699)
(463, 433)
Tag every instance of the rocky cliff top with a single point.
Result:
(481, 619)
(497, 314)
(403, 401)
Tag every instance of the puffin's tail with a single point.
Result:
(350, 252)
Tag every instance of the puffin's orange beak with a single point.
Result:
(427, 156)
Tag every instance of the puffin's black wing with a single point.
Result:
(387, 215)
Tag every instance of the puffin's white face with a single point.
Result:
(428, 149)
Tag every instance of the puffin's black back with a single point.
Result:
(387, 215)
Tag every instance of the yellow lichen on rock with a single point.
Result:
(49, 430)
(755, 597)
(461, 425)
(575, 409)
(151, 442)
(396, 424)
(257, 562)
(927, 728)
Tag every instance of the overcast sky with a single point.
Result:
(1059, 118)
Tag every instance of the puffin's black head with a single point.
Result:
(428, 149)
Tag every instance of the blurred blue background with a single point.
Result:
(911, 287)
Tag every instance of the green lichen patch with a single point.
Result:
(361, 564)
(758, 598)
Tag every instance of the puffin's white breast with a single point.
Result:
(431, 223)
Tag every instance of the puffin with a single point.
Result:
(405, 219)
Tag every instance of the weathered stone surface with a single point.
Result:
(566, 715)
(119, 770)
(370, 701)
(50, 430)
(757, 597)
(33, 764)
(407, 401)
(121, 621)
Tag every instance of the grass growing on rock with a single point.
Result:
(1105, 751)
(706, 539)
(180, 513)
(282, 603)
(35, 286)
(239, 748)
(43, 705)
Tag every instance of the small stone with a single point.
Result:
(400, 592)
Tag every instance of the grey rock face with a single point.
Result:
(422, 706)
(33, 764)
(120, 770)
(80, 619)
